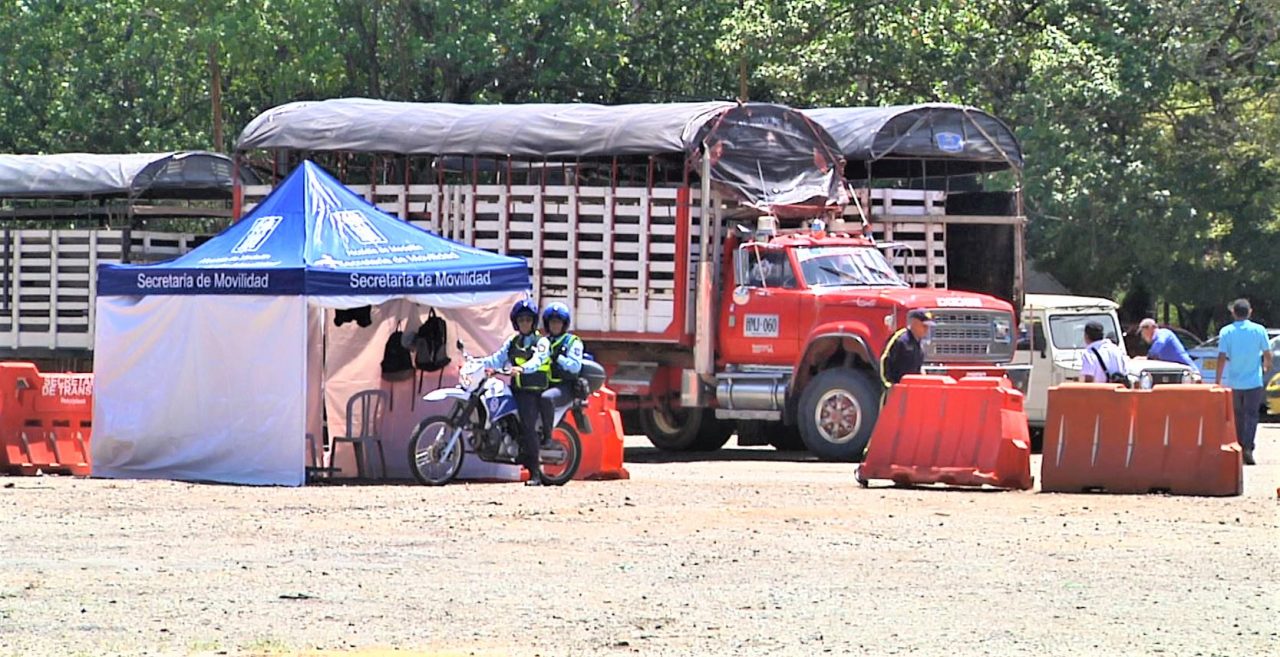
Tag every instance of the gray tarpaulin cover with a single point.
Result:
(189, 174)
(774, 158)
(521, 131)
(949, 138)
(768, 155)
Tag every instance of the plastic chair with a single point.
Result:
(365, 411)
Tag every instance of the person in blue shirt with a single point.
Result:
(528, 353)
(1165, 344)
(1243, 354)
(566, 363)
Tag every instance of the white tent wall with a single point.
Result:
(201, 388)
(353, 357)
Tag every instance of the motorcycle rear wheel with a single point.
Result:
(568, 447)
(429, 466)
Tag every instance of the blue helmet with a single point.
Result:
(524, 307)
(558, 311)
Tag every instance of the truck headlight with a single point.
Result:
(1003, 330)
(1189, 377)
(1146, 381)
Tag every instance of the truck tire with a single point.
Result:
(838, 409)
(685, 430)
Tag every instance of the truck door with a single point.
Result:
(759, 322)
(1034, 350)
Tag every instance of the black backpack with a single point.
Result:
(430, 349)
(397, 362)
(1112, 377)
(431, 344)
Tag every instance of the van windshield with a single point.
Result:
(832, 266)
(1067, 331)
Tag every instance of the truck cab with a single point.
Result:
(804, 318)
(1051, 340)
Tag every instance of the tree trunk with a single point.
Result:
(215, 96)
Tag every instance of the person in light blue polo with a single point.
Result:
(1165, 344)
(1243, 354)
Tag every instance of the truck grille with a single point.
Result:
(960, 335)
(1166, 377)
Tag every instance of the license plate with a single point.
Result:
(760, 326)
(1211, 364)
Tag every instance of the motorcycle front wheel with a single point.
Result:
(560, 459)
(432, 465)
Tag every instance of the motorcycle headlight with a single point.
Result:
(1146, 381)
(1003, 330)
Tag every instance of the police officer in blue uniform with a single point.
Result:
(566, 363)
(528, 353)
(904, 354)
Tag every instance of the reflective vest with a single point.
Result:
(519, 354)
(558, 347)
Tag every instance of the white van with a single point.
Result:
(1051, 340)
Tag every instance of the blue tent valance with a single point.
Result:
(312, 236)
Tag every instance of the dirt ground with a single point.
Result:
(742, 552)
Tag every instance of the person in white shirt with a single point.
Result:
(1103, 361)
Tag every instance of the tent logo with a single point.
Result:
(949, 142)
(258, 233)
(355, 226)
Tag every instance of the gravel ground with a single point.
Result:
(747, 552)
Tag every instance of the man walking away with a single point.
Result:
(1103, 361)
(1165, 344)
(1243, 354)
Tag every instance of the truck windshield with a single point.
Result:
(1068, 330)
(831, 266)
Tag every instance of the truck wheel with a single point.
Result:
(838, 409)
(685, 429)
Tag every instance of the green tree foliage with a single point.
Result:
(1151, 127)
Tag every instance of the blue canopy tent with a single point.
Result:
(203, 369)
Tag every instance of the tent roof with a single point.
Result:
(313, 236)
(911, 140)
(519, 130)
(181, 174)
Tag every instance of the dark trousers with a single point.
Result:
(529, 403)
(1247, 403)
(554, 397)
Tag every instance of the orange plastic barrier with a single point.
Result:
(1179, 439)
(45, 420)
(602, 448)
(935, 429)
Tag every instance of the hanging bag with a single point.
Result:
(431, 348)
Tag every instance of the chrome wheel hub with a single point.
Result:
(838, 417)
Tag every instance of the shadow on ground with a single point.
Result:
(654, 455)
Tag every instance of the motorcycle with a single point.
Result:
(484, 420)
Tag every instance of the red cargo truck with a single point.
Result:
(714, 299)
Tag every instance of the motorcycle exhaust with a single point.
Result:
(553, 455)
